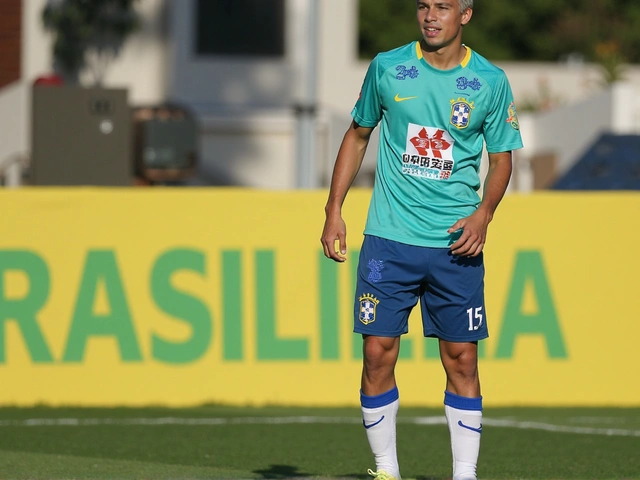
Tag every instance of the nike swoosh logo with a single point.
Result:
(372, 424)
(398, 98)
(477, 430)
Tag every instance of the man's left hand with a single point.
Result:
(474, 234)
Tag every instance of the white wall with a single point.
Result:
(36, 50)
(566, 133)
(213, 82)
(245, 105)
(141, 66)
(255, 150)
(341, 75)
(14, 104)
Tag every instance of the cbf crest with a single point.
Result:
(368, 304)
(461, 112)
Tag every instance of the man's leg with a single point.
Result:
(463, 405)
(379, 399)
(387, 289)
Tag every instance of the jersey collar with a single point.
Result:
(463, 64)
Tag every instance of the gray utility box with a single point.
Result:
(81, 136)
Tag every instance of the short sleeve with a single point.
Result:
(368, 109)
(501, 128)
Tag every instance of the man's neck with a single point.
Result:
(444, 58)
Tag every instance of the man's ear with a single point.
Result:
(466, 16)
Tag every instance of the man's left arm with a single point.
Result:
(474, 235)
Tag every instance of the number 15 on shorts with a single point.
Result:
(475, 317)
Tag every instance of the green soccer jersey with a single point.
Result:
(433, 125)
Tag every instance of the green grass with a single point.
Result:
(112, 449)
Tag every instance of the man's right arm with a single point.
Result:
(348, 162)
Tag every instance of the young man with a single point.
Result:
(436, 101)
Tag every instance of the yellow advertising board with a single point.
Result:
(188, 296)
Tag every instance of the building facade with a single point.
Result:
(273, 86)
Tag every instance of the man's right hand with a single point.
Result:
(348, 161)
(334, 238)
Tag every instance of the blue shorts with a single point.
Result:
(392, 277)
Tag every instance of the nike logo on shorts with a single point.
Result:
(372, 424)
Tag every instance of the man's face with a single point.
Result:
(441, 22)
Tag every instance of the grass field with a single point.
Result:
(214, 442)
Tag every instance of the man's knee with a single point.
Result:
(380, 352)
(379, 360)
(460, 359)
(379, 347)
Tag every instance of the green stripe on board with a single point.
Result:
(328, 297)
(232, 305)
(270, 347)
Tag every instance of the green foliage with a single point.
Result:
(386, 24)
(82, 26)
(601, 31)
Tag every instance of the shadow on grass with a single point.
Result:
(282, 472)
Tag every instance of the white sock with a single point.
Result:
(379, 419)
(464, 417)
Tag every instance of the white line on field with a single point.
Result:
(437, 420)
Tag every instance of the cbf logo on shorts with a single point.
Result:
(368, 304)
(429, 153)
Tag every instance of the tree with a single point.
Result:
(600, 31)
(385, 24)
(88, 34)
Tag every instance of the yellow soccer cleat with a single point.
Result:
(381, 475)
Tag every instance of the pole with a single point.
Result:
(305, 108)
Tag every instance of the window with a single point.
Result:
(240, 27)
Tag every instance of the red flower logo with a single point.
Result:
(423, 143)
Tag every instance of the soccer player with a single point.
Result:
(436, 101)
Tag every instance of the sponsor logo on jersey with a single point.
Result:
(513, 116)
(404, 72)
(429, 153)
(463, 83)
(368, 304)
(461, 112)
